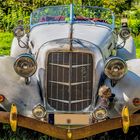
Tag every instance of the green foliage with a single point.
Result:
(115, 5)
(134, 21)
(137, 43)
(135, 26)
(13, 10)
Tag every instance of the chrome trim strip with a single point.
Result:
(67, 84)
(68, 66)
(67, 102)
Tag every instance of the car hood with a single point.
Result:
(99, 35)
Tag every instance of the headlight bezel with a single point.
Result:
(25, 65)
(120, 67)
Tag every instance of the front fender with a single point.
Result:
(128, 51)
(128, 88)
(15, 90)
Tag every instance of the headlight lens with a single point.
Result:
(100, 113)
(39, 111)
(25, 65)
(115, 68)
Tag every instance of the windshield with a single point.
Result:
(72, 14)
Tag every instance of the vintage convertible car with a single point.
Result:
(73, 75)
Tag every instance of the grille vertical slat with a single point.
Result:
(69, 80)
(63, 80)
(76, 81)
(88, 77)
(82, 84)
(51, 78)
(57, 78)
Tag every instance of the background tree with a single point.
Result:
(13, 10)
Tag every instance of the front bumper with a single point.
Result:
(63, 133)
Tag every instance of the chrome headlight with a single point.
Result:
(39, 111)
(25, 65)
(100, 113)
(115, 68)
(124, 33)
(19, 32)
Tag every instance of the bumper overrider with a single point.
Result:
(15, 120)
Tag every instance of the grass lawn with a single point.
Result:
(5, 43)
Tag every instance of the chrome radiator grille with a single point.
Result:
(69, 80)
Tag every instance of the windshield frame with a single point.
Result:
(71, 17)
